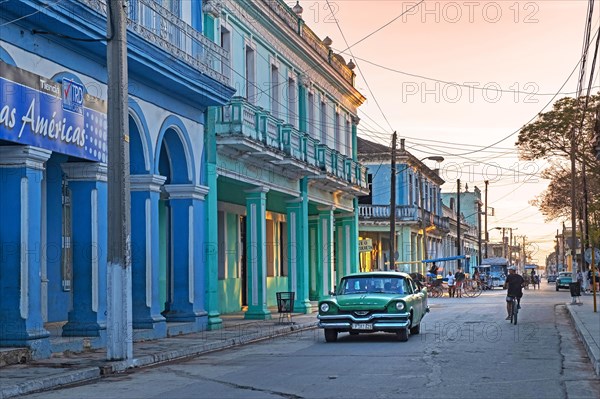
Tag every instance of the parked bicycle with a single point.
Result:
(472, 288)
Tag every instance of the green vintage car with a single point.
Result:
(376, 301)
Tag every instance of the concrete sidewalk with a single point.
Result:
(67, 368)
(587, 324)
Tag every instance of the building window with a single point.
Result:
(292, 96)
(411, 189)
(348, 130)
(226, 45)
(274, 90)
(323, 122)
(311, 115)
(283, 247)
(250, 74)
(337, 142)
(367, 199)
(271, 248)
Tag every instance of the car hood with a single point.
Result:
(366, 301)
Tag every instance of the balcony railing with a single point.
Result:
(404, 213)
(242, 119)
(159, 26)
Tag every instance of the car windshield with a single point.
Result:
(374, 284)
(565, 274)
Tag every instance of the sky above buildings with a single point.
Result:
(458, 79)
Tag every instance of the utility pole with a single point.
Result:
(557, 250)
(487, 233)
(119, 345)
(393, 205)
(504, 242)
(458, 246)
(510, 248)
(479, 232)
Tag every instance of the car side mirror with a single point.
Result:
(332, 293)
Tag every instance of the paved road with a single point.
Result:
(466, 350)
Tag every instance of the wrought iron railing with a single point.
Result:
(162, 28)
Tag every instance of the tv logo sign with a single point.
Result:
(72, 96)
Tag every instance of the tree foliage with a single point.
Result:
(549, 138)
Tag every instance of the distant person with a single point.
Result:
(450, 278)
(432, 272)
(532, 278)
(515, 283)
(459, 278)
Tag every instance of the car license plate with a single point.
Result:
(362, 326)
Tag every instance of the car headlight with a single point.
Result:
(324, 307)
(399, 306)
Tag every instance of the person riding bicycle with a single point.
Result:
(515, 283)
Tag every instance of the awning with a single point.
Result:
(447, 259)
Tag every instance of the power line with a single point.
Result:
(358, 66)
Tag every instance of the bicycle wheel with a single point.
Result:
(477, 290)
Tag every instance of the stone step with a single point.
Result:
(9, 356)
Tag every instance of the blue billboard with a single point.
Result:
(57, 116)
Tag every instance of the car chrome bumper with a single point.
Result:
(380, 322)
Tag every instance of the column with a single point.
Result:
(313, 258)
(145, 195)
(21, 171)
(88, 185)
(354, 263)
(345, 245)
(185, 297)
(325, 231)
(256, 207)
(211, 246)
(298, 252)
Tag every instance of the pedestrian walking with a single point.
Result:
(450, 278)
(459, 279)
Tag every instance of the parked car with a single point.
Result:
(551, 278)
(371, 302)
(563, 280)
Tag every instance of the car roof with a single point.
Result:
(379, 274)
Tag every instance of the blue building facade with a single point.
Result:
(53, 168)
(420, 223)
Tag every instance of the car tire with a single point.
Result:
(415, 329)
(402, 335)
(330, 335)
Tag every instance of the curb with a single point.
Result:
(592, 350)
(95, 373)
(51, 382)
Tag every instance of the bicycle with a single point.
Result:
(472, 288)
(514, 309)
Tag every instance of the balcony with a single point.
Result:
(380, 214)
(160, 27)
(250, 130)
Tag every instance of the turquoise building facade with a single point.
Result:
(282, 157)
